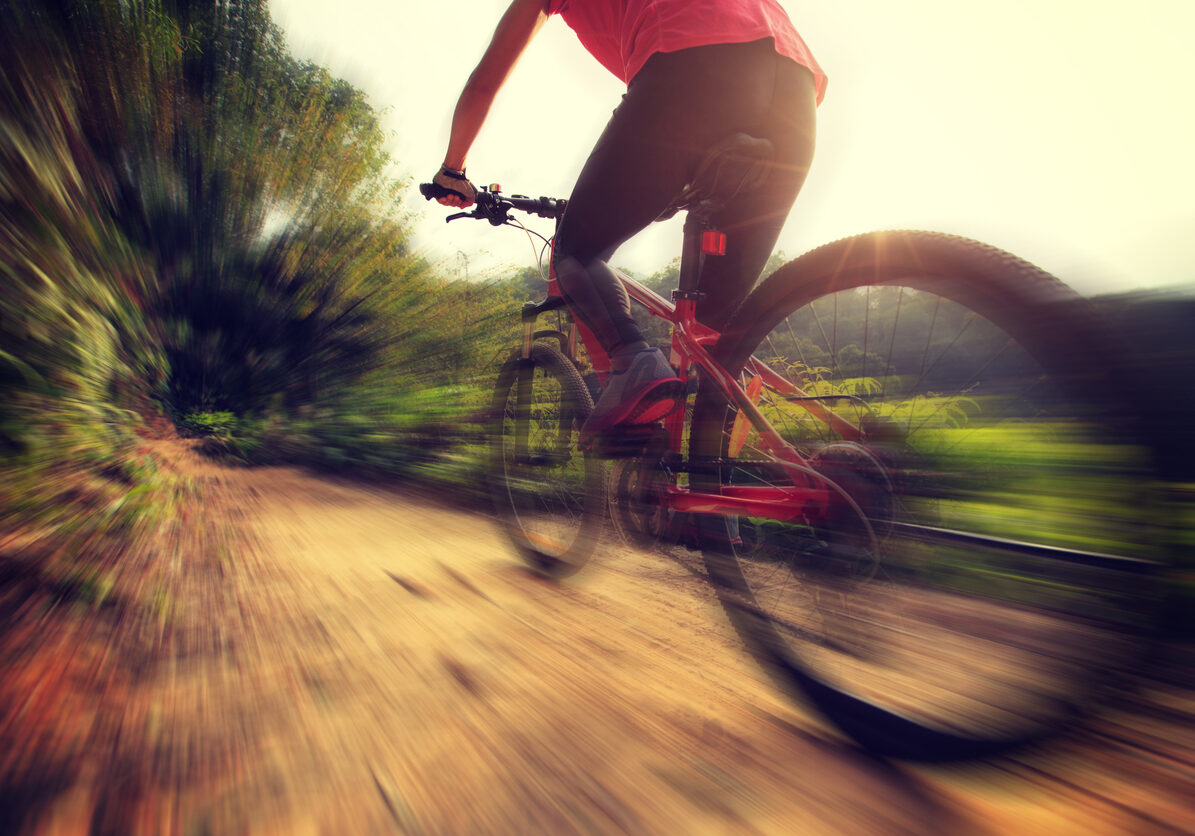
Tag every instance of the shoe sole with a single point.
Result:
(653, 405)
(663, 401)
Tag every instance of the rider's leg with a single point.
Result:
(752, 223)
(598, 299)
(675, 109)
(642, 386)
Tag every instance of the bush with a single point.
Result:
(205, 424)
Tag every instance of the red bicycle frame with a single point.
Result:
(808, 497)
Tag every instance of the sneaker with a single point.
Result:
(645, 393)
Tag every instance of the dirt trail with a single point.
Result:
(369, 661)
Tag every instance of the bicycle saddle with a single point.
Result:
(732, 165)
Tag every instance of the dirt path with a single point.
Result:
(374, 662)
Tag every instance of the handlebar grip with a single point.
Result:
(434, 191)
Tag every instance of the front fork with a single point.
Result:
(526, 365)
(530, 316)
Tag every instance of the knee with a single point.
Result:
(568, 269)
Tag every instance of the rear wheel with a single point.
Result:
(982, 564)
(549, 497)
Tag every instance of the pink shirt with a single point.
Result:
(623, 34)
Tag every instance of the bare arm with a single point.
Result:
(520, 22)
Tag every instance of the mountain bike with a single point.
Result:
(914, 472)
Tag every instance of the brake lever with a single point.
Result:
(496, 214)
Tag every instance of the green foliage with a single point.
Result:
(218, 424)
(78, 358)
(198, 224)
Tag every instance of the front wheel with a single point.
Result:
(549, 497)
(984, 565)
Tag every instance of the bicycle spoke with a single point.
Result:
(547, 492)
(980, 577)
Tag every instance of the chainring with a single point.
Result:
(638, 500)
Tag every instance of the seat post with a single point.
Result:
(691, 257)
(735, 165)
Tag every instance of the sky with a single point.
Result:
(1060, 130)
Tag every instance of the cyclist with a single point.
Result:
(696, 71)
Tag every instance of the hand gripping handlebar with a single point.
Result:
(493, 206)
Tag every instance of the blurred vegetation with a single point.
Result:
(198, 228)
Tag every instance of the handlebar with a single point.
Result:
(493, 206)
